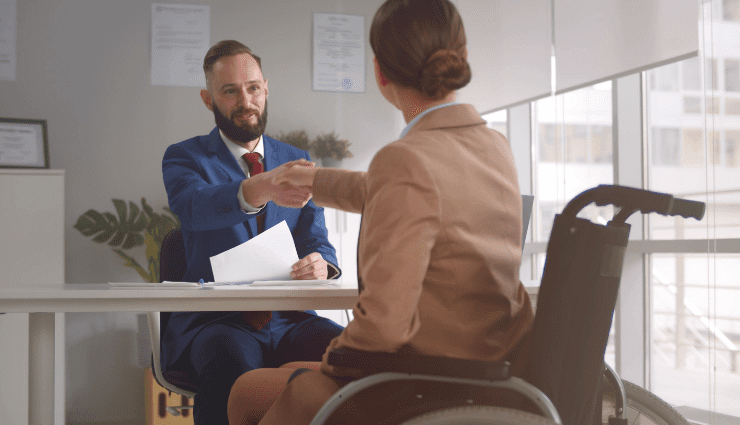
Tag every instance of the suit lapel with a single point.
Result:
(271, 160)
(223, 157)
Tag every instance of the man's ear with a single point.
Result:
(207, 99)
(266, 91)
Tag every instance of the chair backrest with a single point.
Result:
(153, 317)
(172, 264)
(575, 304)
(172, 261)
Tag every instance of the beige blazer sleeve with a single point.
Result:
(402, 209)
(340, 189)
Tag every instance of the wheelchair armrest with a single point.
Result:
(375, 362)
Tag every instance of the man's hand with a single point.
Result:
(261, 188)
(296, 176)
(311, 267)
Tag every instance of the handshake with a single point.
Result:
(288, 185)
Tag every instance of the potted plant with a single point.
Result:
(133, 227)
(297, 138)
(330, 149)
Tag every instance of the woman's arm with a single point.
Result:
(400, 224)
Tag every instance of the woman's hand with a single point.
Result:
(301, 175)
(264, 187)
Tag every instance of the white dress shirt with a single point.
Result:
(238, 151)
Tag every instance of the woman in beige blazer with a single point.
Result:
(440, 242)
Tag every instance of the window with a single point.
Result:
(573, 140)
(696, 327)
(732, 75)
(732, 106)
(687, 144)
(666, 146)
(694, 153)
(665, 79)
(693, 71)
(731, 10)
(732, 148)
(497, 121)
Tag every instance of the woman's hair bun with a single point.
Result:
(444, 71)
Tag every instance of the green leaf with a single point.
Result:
(131, 262)
(130, 227)
(132, 240)
(117, 239)
(120, 209)
(103, 237)
(92, 222)
(154, 269)
(111, 219)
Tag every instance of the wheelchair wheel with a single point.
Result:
(643, 407)
(479, 415)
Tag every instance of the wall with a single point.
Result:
(83, 65)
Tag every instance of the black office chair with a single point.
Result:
(566, 376)
(172, 265)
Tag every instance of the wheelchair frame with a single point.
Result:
(558, 402)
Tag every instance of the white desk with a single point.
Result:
(42, 301)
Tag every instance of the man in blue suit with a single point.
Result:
(224, 197)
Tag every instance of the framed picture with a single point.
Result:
(23, 143)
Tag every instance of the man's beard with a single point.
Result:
(241, 134)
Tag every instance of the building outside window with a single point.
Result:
(693, 131)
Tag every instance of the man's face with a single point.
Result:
(237, 95)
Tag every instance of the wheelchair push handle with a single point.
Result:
(631, 200)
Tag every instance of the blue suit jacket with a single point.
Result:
(202, 178)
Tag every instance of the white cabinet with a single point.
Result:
(31, 250)
(344, 228)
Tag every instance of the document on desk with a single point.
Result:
(268, 256)
(165, 284)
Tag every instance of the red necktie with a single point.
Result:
(253, 162)
(257, 319)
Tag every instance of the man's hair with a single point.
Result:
(226, 48)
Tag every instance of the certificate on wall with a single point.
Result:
(338, 52)
(180, 39)
(7, 39)
(23, 143)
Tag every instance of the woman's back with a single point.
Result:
(471, 304)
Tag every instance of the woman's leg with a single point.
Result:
(255, 391)
(301, 399)
(302, 365)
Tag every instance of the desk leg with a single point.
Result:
(41, 369)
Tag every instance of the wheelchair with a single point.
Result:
(566, 381)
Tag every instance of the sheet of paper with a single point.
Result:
(165, 284)
(7, 39)
(338, 52)
(19, 144)
(180, 39)
(295, 282)
(268, 256)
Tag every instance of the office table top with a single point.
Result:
(101, 297)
